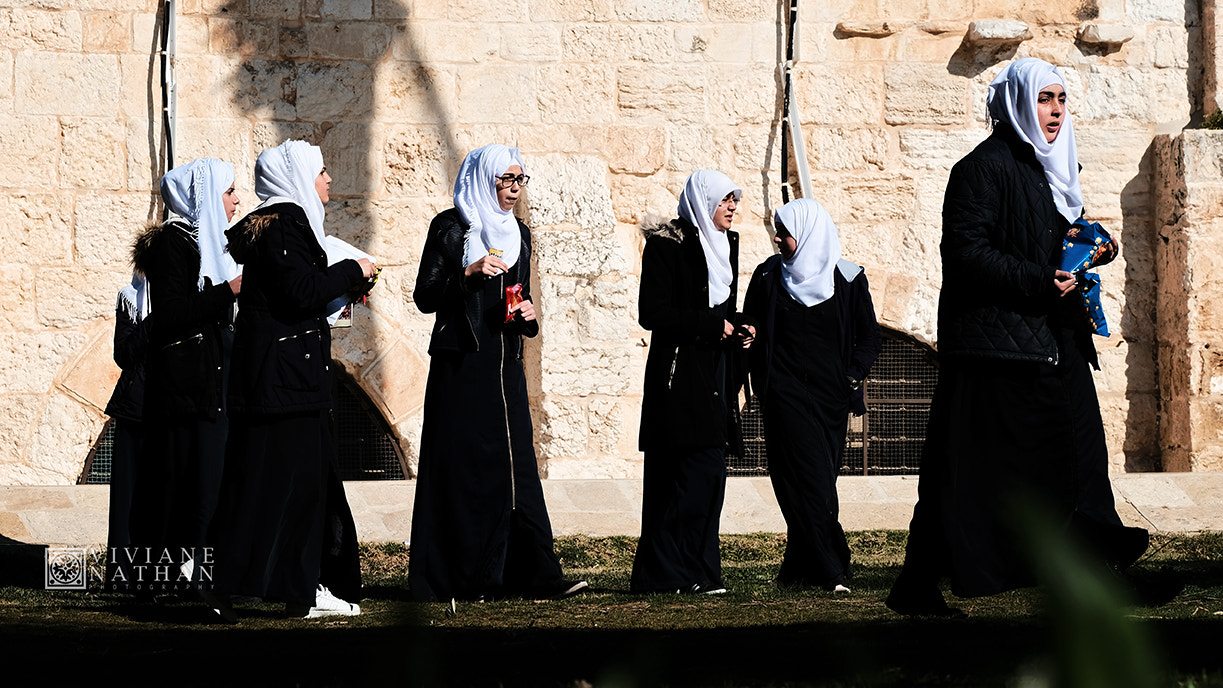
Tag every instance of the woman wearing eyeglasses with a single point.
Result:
(480, 529)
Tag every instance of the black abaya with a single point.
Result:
(480, 527)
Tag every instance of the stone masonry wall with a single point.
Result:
(614, 103)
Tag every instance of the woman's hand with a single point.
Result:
(1064, 282)
(235, 285)
(747, 334)
(525, 310)
(368, 268)
(489, 266)
(727, 329)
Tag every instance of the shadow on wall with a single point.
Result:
(311, 70)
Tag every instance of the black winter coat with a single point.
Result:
(859, 336)
(681, 403)
(282, 343)
(1002, 243)
(183, 365)
(458, 302)
(131, 345)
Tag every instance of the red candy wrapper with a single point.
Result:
(513, 297)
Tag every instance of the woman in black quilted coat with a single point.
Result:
(1015, 434)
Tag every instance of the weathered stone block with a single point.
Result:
(334, 91)
(277, 9)
(92, 154)
(634, 198)
(699, 147)
(93, 375)
(35, 228)
(224, 87)
(499, 94)
(69, 297)
(1168, 46)
(635, 150)
(532, 42)
(840, 94)
(724, 45)
(224, 139)
(846, 149)
(1151, 11)
(925, 94)
(670, 94)
(30, 361)
(106, 225)
(576, 93)
(18, 282)
(568, 189)
(35, 29)
(17, 422)
(659, 10)
(756, 98)
(339, 9)
(417, 161)
(410, 92)
(476, 11)
(353, 40)
(742, 10)
(1123, 93)
(609, 43)
(582, 370)
(106, 32)
(64, 434)
(985, 31)
(41, 79)
(31, 153)
(570, 10)
(937, 149)
(396, 381)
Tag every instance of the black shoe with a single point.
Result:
(912, 599)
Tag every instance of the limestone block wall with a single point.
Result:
(614, 103)
(1190, 294)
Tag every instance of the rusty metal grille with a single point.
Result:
(888, 439)
(365, 447)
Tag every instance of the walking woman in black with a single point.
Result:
(1015, 425)
(480, 528)
(817, 339)
(284, 528)
(191, 285)
(689, 280)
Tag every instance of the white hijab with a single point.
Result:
(193, 193)
(286, 173)
(475, 195)
(134, 298)
(809, 275)
(702, 194)
(1012, 99)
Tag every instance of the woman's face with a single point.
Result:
(1050, 108)
(230, 200)
(322, 184)
(724, 215)
(507, 191)
(785, 243)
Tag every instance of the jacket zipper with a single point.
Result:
(509, 443)
(674, 360)
(192, 338)
(295, 336)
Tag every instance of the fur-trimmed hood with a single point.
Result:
(660, 226)
(143, 249)
(244, 237)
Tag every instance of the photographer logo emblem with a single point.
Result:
(66, 568)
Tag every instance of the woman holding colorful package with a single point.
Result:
(480, 528)
(1015, 435)
(816, 341)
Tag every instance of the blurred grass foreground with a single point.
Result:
(1078, 630)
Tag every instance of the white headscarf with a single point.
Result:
(475, 196)
(286, 173)
(1012, 99)
(134, 298)
(808, 276)
(702, 194)
(193, 192)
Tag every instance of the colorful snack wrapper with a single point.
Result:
(513, 297)
(1083, 246)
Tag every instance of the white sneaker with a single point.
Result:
(326, 604)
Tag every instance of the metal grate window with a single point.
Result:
(888, 439)
(365, 448)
